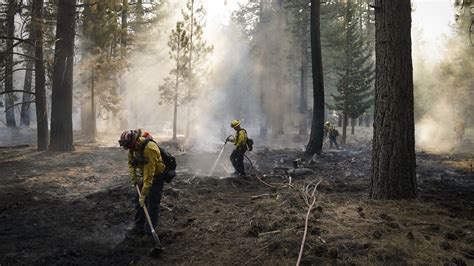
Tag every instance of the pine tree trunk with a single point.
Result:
(123, 53)
(278, 116)
(393, 153)
(25, 107)
(93, 115)
(61, 103)
(303, 83)
(263, 117)
(40, 89)
(353, 124)
(345, 122)
(188, 116)
(10, 97)
(175, 109)
(340, 117)
(176, 91)
(317, 127)
(139, 15)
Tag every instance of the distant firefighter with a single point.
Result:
(332, 132)
(240, 142)
(459, 129)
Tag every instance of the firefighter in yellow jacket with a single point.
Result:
(144, 157)
(240, 142)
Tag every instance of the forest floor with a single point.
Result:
(72, 208)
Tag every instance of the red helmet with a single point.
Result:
(128, 139)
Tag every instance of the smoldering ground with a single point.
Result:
(72, 208)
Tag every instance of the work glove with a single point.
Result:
(141, 200)
(135, 180)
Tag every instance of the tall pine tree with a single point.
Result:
(356, 73)
(193, 18)
(179, 53)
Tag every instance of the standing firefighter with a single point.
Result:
(145, 157)
(240, 142)
(332, 132)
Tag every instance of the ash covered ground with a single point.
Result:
(72, 208)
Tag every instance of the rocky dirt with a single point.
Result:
(72, 208)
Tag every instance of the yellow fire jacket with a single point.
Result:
(152, 165)
(241, 139)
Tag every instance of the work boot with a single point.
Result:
(242, 175)
(134, 233)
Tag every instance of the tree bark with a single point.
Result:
(345, 121)
(393, 154)
(40, 89)
(277, 118)
(123, 53)
(10, 97)
(176, 91)
(317, 128)
(61, 104)
(263, 73)
(263, 118)
(191, 33)
(303, 83)
(93, 116)
(25, 107)
(353, 124)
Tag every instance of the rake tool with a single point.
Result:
(157, 249)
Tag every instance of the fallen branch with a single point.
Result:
(310, 208)
(260, 196)
(269, 233)
(166, 207)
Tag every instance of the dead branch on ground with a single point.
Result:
(307, 196)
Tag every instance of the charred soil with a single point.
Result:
(72, 208)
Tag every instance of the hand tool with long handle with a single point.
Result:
(158, 248)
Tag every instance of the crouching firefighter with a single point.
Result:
(242, 144)
(154, 166)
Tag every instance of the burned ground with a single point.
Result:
(72, 208)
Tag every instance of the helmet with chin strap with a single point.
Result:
(235, 123)
(128, 139)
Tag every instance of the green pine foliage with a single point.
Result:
(189, 51)
(179, 53)
(102, 34)
(199, 50)
(355, 70)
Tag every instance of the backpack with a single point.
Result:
(249, 142)
(168, 159)
(333, 132)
